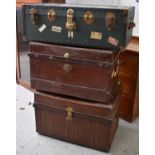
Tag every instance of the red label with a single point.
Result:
(113, 41)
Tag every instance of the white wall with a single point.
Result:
(114, 2)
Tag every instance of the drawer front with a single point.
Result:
(126, 107)
(128, 85)
(129, 64)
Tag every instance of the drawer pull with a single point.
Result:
(67, 68)
(69, 113)
(66, 55)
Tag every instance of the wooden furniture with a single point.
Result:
(129, 76)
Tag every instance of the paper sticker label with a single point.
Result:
(96, 35)
(70, 34)
(113, 41)
(42, 28)
(56, 29)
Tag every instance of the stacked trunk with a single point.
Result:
(78, 93)
(77, 89)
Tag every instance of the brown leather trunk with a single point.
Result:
(89, 74)
(77, 121)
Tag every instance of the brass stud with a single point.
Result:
(66, 55)
(51, 14)
(88, 17)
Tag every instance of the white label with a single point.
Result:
(69, 34)
(42, 28)
(56, 29)
(72, 34)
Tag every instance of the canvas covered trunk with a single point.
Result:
(106, 27)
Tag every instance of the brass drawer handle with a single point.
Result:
(67, 68)
(69, 113)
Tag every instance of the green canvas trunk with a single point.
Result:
(105, 27)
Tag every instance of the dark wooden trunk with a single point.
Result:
(77, 121)
(85, 73)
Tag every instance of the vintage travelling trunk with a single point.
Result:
(77, 121)
(106, 27)
(90, 74)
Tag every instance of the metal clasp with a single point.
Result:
(34, 16)
(69, 113)
(70, 24)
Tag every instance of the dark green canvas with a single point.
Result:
(104, 27)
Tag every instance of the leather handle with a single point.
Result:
(131, 25)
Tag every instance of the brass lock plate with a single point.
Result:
(70, 24)
(67, 68)
(69, 113)
(51, 15)
(88, 17)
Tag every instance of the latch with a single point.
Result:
(70, 24)
(34, 15)
(69, 113)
